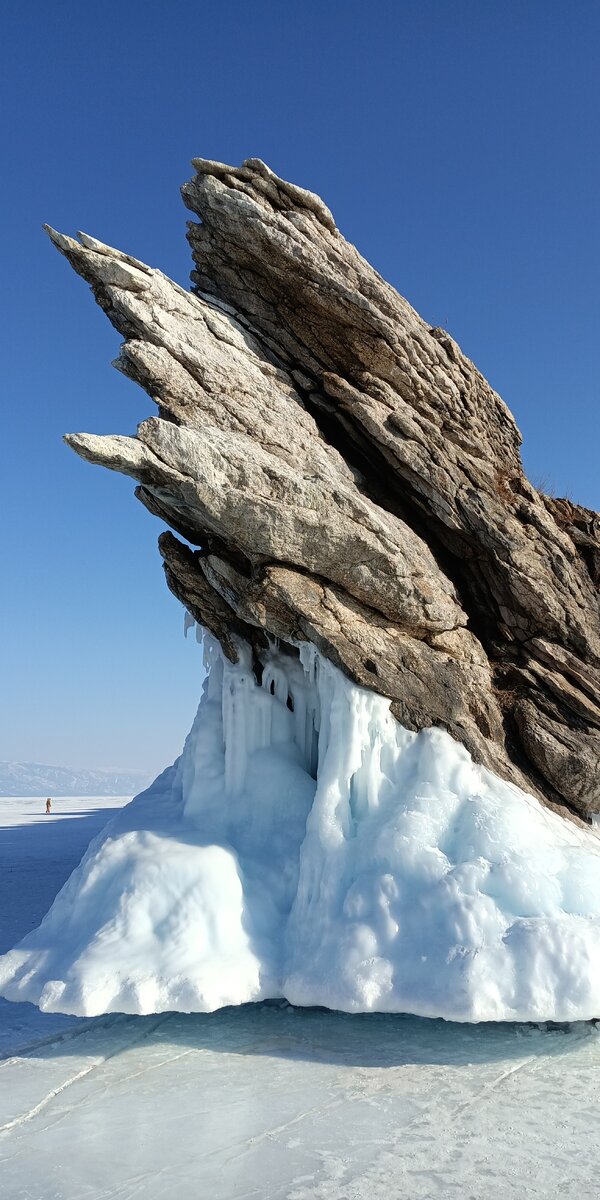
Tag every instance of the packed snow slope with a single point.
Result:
(306, 845)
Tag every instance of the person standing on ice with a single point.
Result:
(48, 805)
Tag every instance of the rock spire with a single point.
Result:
(342, 474)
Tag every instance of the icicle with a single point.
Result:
(211, 651)
(309, 659)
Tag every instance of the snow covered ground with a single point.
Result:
(268, 1102)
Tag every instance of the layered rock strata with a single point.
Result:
(342, 474)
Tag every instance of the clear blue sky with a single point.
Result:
(456, 142)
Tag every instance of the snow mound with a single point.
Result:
(306, 845)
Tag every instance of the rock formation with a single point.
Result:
(347, 477)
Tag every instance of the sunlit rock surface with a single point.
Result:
(351, 479)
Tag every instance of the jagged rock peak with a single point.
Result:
(346, 476)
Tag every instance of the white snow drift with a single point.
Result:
(306, 845)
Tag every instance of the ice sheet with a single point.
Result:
(269, 1103)
(307, 846)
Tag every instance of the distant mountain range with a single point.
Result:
(38, 779)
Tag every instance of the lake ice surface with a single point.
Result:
(268, 1102)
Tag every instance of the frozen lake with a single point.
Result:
(272, 1102)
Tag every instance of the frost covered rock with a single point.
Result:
(307, 845)
(348, 478)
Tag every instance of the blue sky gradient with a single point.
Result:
(456, 143)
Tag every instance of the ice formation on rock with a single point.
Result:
(306, 845)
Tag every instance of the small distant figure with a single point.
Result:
(48, 805)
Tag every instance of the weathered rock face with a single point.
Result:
(350, 479)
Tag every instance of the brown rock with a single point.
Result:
(352, 479)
